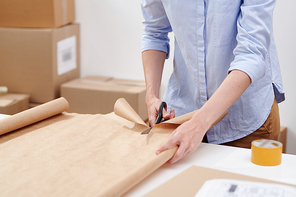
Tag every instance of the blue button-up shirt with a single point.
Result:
(211, 39)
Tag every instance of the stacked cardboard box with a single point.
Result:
(96, 94)
(13, 103)
(36, 13)
(39, 47)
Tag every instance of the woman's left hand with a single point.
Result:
(187, 136)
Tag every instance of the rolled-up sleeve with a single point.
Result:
(254, 26)
(156, 27)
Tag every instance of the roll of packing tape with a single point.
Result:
(266, 152)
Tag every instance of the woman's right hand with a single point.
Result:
(153, 107)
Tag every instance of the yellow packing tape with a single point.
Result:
(266, 152)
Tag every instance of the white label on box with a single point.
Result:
(234, 188)
(66, 53)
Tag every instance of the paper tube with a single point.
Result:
(266, 152)
(33, 115)
(94, 155)
(80, 155)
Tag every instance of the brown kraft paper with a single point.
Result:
(80, 154)
(33, 115)
(189, 182)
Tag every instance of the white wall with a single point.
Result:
(285, 37)
(110, 38)
(111, 33)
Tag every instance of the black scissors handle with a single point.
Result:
(159, 116)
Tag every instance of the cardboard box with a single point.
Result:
(13, 103)
(283, 138)
(97, 95)
(31, 105)
(188, 182)
(36, 13)
(38, 61)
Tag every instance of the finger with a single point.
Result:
(180, 153)
(172, 113)
(189, 149)
(192, 147)
(153, 113)
(165, 114)
(152, 121)
(168, 144)
(169, 115)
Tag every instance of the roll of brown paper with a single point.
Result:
(33, 115)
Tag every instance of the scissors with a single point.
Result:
(158, 119)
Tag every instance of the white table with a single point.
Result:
(230, 159)
(3, 116)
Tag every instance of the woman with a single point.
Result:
(225, 58)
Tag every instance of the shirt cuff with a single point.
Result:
(157, 46)
(254, 67)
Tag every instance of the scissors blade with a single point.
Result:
(158, 119)
(146, 131)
